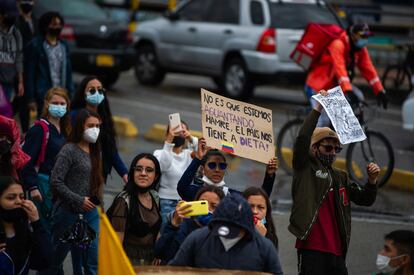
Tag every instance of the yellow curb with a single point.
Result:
(158, 131)
(124, 127)
(400, 179)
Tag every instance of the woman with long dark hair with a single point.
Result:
(42, 143)
(24, 244)
(77, 184)
(92, 96)
(262, 213)
(135, 213)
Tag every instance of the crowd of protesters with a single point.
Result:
(67, 155)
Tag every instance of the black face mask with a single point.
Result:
(9, 21)
(26, 7)
(178, 141)
(5, 147)
(54, 31)
(326, 160)
(13, 215)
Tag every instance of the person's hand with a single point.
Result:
(186, 135)
(156, 262)
(20, 89)
(35, 195)
(31, 210)
(202, 148)
(272, 166)
(172, 132)
(32, 106)
(382, 99)
(261, 228)
(179, 214)
(125, 178)
(373, 171)
(87, 204)
(318, 107)
(352, 98)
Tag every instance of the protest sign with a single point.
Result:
(237, 127)
(341, 115)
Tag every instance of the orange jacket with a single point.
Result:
(331, 68)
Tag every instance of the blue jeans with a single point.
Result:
(62, 220)
(166, 206)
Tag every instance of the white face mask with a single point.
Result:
(384, 261)
(91, 134)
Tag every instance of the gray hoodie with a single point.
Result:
(11, 54)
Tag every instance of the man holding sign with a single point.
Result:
(321, 210)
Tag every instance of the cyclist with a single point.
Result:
(336, 66)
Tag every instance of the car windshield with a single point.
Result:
(297, 16)
(76, 8)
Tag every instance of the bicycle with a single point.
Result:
(398, 78)
(375, 148)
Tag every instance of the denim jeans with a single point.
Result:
(62, 220)
(166, 206)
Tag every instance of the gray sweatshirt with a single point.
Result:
(11, 54)
(70, 177)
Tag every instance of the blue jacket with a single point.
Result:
(253, 252)
(171, 239)
(32, 146)
(37, 79)
(110, 156)
(188, 185)
(36, 255)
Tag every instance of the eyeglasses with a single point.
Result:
(93, 90)
(329, 148)
(140, 169)
(213, 165)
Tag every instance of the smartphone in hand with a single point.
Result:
(95, 200)
(175, 122)
(197, 208)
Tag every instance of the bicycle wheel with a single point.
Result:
(375, 148)
(397, 82)
(284, 144)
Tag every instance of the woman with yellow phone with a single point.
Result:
(183, 221)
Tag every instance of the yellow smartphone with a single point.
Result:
(198, 208)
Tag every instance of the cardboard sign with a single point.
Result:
(237, 127)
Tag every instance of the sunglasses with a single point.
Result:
(140, 169)
(213, 165)
(93, 90)
(329, 148)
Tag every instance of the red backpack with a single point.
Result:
(45, 126)
(313, 42)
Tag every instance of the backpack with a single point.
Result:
(45, 126)
(314, 41)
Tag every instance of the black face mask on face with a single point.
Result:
(13, 215)
(326, 160)
(54, 31)
(9, 21)
(5, 147)
(26, 7)
(178, 141)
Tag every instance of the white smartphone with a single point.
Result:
(175, 121)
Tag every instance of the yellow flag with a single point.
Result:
(111, 256)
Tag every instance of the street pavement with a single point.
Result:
(181, 93)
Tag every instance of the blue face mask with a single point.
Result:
(94, 99)
(204, 219)
(57, 110)
(362, 42)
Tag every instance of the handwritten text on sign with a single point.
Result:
(236, 127)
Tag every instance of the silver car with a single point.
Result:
(239, 43)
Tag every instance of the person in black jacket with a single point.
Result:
(24, 244)
(230, 241)
(213, 166)
(26, 23)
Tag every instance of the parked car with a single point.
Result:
(97, 44)
(239, 43)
